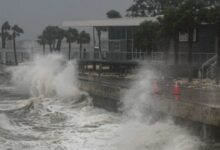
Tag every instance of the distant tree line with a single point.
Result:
(113, 14)
(54, 35)
(143, 8)
(9, 32)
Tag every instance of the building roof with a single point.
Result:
(109, 22)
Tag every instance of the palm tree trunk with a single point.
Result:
(58, 47)
(69, 50)
(3, 39)
(14, 47)
(43, 48)
(176, 50)
(218, 63)
(53, 46)
(166, 46)
(80, 49)
(190, 55)
(149, 52)
(50, 45)
(2, 36)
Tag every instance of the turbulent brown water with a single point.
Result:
(41, 108)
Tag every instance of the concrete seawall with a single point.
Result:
(104, 96)
(205, 118)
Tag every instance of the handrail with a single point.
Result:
(209, 61)
(209, 64)
(211, 69)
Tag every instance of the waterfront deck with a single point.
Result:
(112, 57)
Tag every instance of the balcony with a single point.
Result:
(138, 57)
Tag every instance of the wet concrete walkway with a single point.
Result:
(209, 97)
(199, 96)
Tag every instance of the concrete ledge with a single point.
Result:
(191, 111)
(101, 90)
(201, 113)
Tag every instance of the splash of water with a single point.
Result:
(47, 75)
(138, 96)
(139, 131)
(5, 122)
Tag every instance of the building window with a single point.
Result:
(114, 45)
(184, 37)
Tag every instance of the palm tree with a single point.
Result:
(141, 8)
(192, 14)
(50, 36)
(71, 36)
(147, 36)
(4, 33)
(170, 31)
(16, 31)
(213, 16)
(83, 39)
(42, 41)
(60, 34)
(138, 9)
(113, 14)
(54, 36)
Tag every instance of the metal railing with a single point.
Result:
(108, 56)
(7, 57)
(197, 58)
(155, 57)
(119, 45)
(211, 70)
(208, 67)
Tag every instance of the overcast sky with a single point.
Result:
(34, 15)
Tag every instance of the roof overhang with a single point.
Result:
(109, 22)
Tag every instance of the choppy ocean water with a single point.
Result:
(41, 108)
